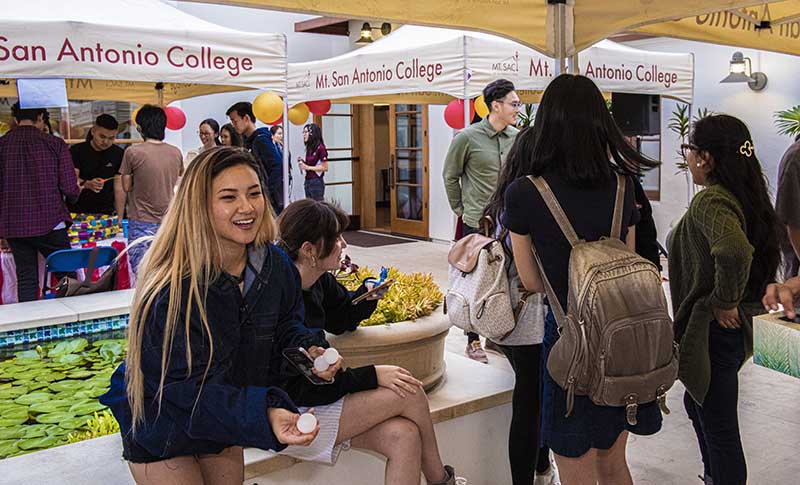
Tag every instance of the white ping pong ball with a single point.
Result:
(321, 364)
(306, 423)
(331, 356)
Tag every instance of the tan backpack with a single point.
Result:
(616, 340)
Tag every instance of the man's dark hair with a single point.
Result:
(106, 121)
(242, 108)
(152, 121)
(496, 91)
(30, 114)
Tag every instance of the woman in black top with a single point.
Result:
(578, 149)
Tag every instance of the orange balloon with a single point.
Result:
(298, 114)
(268, 107)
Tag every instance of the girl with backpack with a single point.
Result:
(575, 147)
(717, 283)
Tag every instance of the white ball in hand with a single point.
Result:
(306, 423)
(331, 355)
(321, 364)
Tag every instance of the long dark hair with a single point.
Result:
(314, 137)
(236, 138)
(320, 223)
(737, 168)
(212, 123)
(573, 136)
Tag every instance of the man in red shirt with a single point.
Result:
(37, 178)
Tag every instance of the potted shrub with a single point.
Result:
(405, 329)
(788, 121)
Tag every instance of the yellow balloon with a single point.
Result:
(480, 107)
(133, 115)
(268, 107)
(298, 114)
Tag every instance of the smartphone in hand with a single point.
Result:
(386, 284)
(303, 362)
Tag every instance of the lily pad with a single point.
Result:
(75, 423)
(68, 347)
(69, 359)
(35, 386)
(68, 385)
(52, 418)
(87, 408)
(16, 413)
(79, 374)
(51, 406)
(33, 398)
(35, 431)
(12, 432)
(6, 422)
(58, 429)
(36, 443)
(13, 392)
(8, 448)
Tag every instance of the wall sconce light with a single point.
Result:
(741, 71)
(366, 32)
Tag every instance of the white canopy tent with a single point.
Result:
(124, 50)
(433, 65)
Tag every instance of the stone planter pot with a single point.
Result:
(417, 346)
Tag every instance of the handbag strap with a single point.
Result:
(555, 209)
(616, 221)
(87, 280)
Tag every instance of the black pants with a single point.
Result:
(716, 422)
(471, 336)
(524, 453)
(26, 252)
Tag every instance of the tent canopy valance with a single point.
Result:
(555, 28)
(430, 65)
(110, 49)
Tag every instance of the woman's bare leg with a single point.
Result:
(364, 410)
(183, 470)
(224, 468)
(612, 465)
(578, 471)
(398, 440)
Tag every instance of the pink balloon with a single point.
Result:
(176, 118)
(319, 107)
(454, 113)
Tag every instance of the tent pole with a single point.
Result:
(467, 119)
(559, 34)
(572, 63)
(285, 167)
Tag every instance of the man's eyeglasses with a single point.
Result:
(686, 147)
(514, 104)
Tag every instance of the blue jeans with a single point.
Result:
(315, 188)
(136, 230)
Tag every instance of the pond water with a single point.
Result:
(49, 391)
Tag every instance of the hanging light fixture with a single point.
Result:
(365, 36)
(741, 71)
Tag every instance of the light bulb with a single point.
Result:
(306, 423)
(321, 364)
(331, 355)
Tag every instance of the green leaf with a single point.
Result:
(68, 347)
(7, 422)
(16, 413)
(80, 374)
(52, 418)
(68, 385)
(75, 423)
(8, 448)
(86, 408)
(70, 359)
(33, 398)
(13, 392)
(35, 431)
(37, 443)
(51, 406)
(58, 429)
(12, 432)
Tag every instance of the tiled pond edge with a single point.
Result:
(79, 328)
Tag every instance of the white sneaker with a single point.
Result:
(549, 478)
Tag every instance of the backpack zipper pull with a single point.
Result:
(631, 409)
(661, 397)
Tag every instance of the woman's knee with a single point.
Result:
(400, 433)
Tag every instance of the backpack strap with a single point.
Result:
(616, 221)
(555, 209)
(569, 232)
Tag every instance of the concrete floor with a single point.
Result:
(769, 402)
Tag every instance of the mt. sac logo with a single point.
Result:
(305, 82)
(509, 64)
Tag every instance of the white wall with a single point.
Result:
(442, 221)
(756, 109)
(300, 47)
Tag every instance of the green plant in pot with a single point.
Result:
(788, 121)
(680, 124)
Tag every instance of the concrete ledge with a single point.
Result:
(44, 313)
(470, 389)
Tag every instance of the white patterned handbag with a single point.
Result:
(478, 299)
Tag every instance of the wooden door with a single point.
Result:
(408, 169)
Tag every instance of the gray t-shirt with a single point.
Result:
(155, 169)
(787, 204)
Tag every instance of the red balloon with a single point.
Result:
(279, 121)
(454, 113)
(319, 107)
(176, 118)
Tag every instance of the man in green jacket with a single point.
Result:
(473, 164)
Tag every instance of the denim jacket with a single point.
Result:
(249, 333)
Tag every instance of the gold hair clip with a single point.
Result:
(747, 148)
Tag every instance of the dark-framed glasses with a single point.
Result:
(686, 147)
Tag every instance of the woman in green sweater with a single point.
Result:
(717, 282)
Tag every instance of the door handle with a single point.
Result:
(391, 171)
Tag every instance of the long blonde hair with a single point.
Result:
(186, 246)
